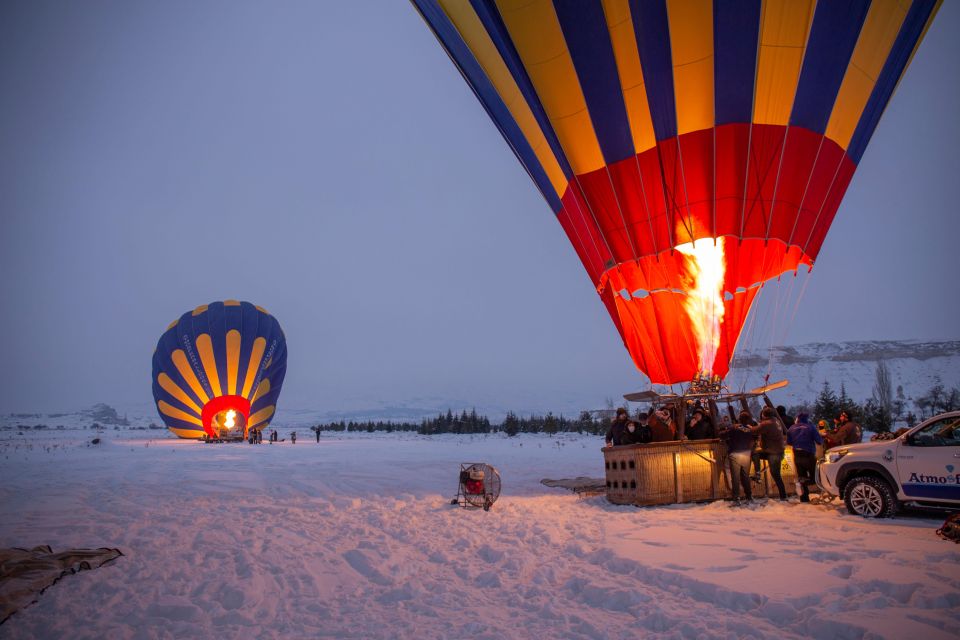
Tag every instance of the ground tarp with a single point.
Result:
(25, 573)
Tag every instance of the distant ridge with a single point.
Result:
(916, 365)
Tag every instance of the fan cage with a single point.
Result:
(468, 495)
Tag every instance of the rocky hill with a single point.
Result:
(914, 365)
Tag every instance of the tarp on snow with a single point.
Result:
(25, 573)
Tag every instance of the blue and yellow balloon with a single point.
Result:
(218, 370)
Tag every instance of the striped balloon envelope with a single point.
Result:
(218, 370)
(692, 150)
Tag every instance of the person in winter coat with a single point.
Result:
(785, 417)
(617, 427)
(739, 438)
(293, 437)
(700, 427)
(772, 433)
(631, 434)
(659, 423)
(848, 432)
(804, 438)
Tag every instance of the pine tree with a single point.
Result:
(511, 426)
(550, 424)
(826, 406)
(899, 404)
(878, 412)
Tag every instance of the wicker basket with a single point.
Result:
(664, 472)
(673, 472)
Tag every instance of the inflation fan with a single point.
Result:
(479, 486)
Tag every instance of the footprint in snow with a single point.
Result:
(842, 571)
(365, 567)
(726, 569)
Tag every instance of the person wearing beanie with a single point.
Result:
(804, 438)
(617, 428)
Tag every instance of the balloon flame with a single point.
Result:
(704, 301)
(231, 418)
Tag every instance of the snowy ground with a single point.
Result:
(354, 538)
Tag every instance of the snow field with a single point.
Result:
(355, 538)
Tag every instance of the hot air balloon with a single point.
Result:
(692, 150)
(218, 370)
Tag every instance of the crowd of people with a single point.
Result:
(255, 436)
(748, 442)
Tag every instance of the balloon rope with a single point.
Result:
(586, 225)
(823, 204)
(656, 251)
(659, 359)
(623, 218)
(646, 205)
(803, 291)
(776, 184)
(688, 225)
(806, 188)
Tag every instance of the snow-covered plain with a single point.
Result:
(355, 538)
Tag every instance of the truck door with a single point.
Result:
(928, 461)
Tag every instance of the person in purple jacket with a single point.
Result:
(804, 438)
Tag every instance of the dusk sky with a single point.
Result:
(326, 161)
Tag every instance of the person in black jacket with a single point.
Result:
(631, 433)
(617, 428)
(739, 438)
(772, 434)
(701, 426)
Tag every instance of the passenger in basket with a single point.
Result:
(659, 423)
(617, 428)
(739, 438)
(633, 434)
(804, 438)
(771, 434)
(701, 426)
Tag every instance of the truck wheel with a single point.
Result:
(870, 497)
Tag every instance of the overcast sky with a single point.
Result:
(326, 161)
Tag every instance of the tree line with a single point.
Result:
(471, 422)
(886, 409)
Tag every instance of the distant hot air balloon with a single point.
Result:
(218, 370)
(691, 149)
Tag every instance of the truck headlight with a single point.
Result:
(834, 456)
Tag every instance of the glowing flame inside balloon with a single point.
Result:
(704, 302)
(231, 419)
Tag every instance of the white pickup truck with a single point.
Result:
(919, 468)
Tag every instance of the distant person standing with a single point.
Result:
(293, 437)
(804, 438)
(317, 429)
